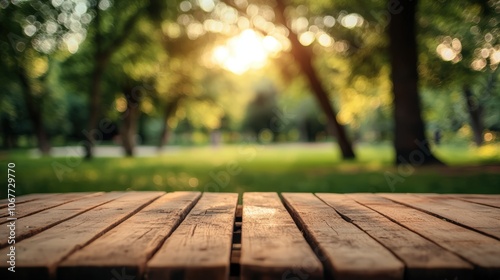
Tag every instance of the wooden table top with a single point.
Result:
(190, 235)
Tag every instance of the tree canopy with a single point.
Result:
(183, 72)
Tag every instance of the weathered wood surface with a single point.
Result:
(348, 251)
(423, 259)
(475, 216)
(130, 244)
(481, 250)
(38, 256)
(47, 203)
(31, 225)
(488, 200)
(202, 242)
(27, 198)
(272, 245)
(189, 235)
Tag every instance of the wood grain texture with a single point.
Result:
(272, 247)
(38, 256)
(130, 244)
(47, 203)
(200, 247)
(31, 225)
(423, 259)
(347, 251)
(479, 217)
(481, 250)
(27, 198)
(356, 236)
(488, 200)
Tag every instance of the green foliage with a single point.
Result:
(262, 111)
(152, 44)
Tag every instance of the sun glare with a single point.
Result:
(246, 51)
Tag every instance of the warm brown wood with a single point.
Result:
(44, 204)
(38, 256)
(478, 217)
(423, 259)
(129, 245)
(200, 247)
(119, 235)
(488, 200)
(27, 198)
(481, 250)
(272, 247)
(31, 225)
(347, 251)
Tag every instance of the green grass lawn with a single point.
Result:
(281, 168)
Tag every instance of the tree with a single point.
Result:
(262, 111)
(462, 57)
(34, 41)
(180, 82)
(110, 30)
(410, 142)
(303, 56)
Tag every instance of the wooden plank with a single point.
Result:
(44, 204)
(347, 251)
(200, 247)
(481, 250)
(480, 195)
(26, 198)
(129, 245)
(488, 200)
(272, 247)
(34, 224)
(478, 217)
(38, 256)
(423, 259)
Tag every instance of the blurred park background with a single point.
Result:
(249, 95)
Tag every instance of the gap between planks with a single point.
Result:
(48, 202)
(273, 247)
(234, 268)
(479, 249)
(129, 245)
(40, 254)
(235, 249)
(488, 200)
(34, 224)
(202, 242)
(346, 251)
(480, 218)
(26, 198)
(430, 261)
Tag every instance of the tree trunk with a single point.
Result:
(95, 90)
(35, 113)
(410, 141)
(474, 109)
(304, 56)
(129, 121)
(165, 136)
(94, 106)
(168, 110)
(101, 59)
(9, 139)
